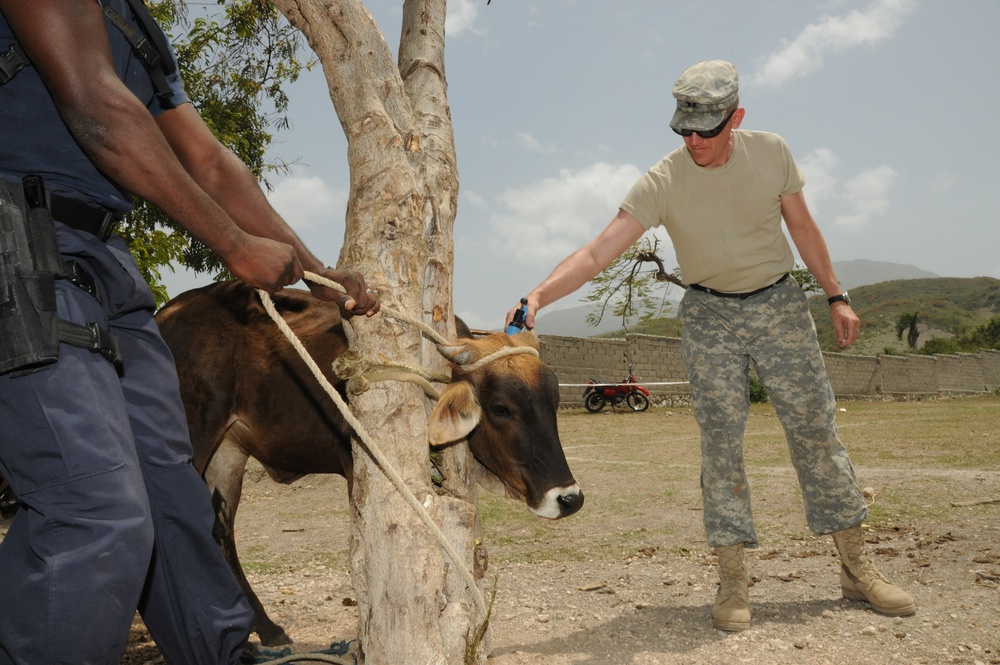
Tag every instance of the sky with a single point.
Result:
(889, 108)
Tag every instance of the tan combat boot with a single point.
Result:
(860, 580)
(732, 603)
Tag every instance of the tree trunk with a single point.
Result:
(413, 603)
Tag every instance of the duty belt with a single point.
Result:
(741, 296)
(83, 215)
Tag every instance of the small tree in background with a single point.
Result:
(636, 292)
(908, 323)
(631, 289)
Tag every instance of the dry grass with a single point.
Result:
(640, 474)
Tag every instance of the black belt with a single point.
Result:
(741, 296)
(83, 215)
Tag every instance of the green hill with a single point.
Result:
(946, 306)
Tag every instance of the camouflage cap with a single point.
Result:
(704, 91)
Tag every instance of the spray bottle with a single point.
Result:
(517, 323)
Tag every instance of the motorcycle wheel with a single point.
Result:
(637, 401)
(594, 402)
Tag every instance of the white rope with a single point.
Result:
(644, 383)
(434, 335)
(313, 657)
(372, 449)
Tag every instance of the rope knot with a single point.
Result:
(352, 367)
(349, 365)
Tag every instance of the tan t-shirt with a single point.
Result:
(725, 222)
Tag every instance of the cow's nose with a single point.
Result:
(570, 503)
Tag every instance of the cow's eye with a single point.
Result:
(501, 411)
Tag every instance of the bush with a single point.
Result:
(758, 393)
(941, 345)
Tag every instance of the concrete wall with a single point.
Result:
(991, 369)
(658, 360)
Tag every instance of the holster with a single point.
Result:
(30, 263)
(29, 336)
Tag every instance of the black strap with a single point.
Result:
(155, 33)
(93, 338)
(150, 44)
(13, 60)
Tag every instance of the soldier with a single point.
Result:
(94, 440)
(721, 197)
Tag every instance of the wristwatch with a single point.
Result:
(843, 297)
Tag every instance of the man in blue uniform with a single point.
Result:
(114, 516)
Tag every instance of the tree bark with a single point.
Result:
(413, 604)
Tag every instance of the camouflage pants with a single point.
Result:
(774, 329)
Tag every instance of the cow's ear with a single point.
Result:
(456, 413)
(460, 354)
(527, 338)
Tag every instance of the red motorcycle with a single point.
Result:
(597, 395)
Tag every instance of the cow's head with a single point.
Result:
(507, 408)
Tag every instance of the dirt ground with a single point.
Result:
(630, 580)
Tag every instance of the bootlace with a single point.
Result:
(856, 558)
(732, 571)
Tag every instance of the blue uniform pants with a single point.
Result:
(114, 518)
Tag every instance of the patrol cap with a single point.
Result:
(704, 91)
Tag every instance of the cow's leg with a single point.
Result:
(224, 475)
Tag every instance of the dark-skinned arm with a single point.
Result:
(68, 45)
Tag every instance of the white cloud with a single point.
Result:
(546, 221)
(475, 199)
(308, 202)
(868, 196)
(532, 144)
(461, 15)
(818, 167)
(832, 33)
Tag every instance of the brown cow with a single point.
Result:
(248, 394)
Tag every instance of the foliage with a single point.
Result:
(230, 64)
(639, 296)
(153, 248)
(937, 345)
(758, 393)
(633, 294)
(806, 280)
(907, 323)
(983, 336)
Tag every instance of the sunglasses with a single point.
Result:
(706, 133)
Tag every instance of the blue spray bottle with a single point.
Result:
(517, 323)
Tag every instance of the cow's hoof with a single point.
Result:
(273, 636)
